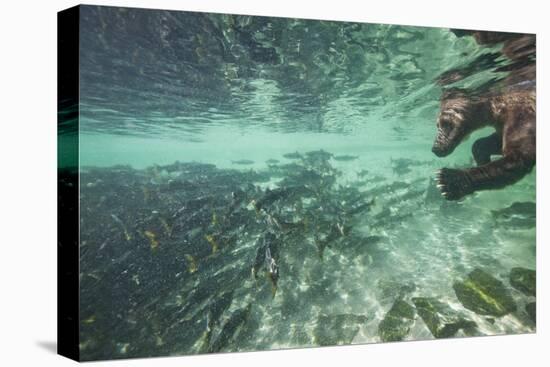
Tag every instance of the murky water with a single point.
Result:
(252, 183)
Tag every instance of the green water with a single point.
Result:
(161, 87)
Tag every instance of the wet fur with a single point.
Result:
(510, 108)
(512, 114)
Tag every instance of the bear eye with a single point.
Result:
(444, 123)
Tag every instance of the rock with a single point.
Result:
(337, 329)
(441, 320)
(485, 295)
(397, 322)
(531, 309)
(524, 280)
(391, 289)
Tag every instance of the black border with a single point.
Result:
(68, 32)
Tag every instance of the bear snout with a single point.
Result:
(439, 151)
(441, 146)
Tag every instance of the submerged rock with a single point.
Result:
(397, 322)
(524, 280)
(531, 309)
(442, 320)
(337, 329)
(391, 289)
(484, 294)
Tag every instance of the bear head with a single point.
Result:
(459, 116)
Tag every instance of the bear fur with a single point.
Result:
(513, 116)
(510, 109)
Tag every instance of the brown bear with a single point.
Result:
(512, 114)
(509, 107)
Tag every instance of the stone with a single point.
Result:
(442, 320)
(524, 280)
(484, 294)
(397, 323)
(531, 309)
(337, 329)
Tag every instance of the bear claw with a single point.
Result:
(452, 183)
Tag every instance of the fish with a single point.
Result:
(243, 162)
(318, 155)
(212, 241)
(213, 316)
(388, 188)
(152, 239)
(284, 226)
(400, 170)
(231, 329)
(274, 195)
(272, 270)
(167, 228)
(204, 340)
(191, 263)
(262, 243)
(401, 166)
(272, 161)
(386, 218)
(294, 155)
(518, 215)
(259, 261)
(237, 197)
(89, 320)
(407, 196)
(345, 158)
(124, 229)
(375, 179)
(267, 257)
(360, 207)
(526, 209)
(337, 231)
(146, 194)
(218, 307)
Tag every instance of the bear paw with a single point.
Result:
(453, 183)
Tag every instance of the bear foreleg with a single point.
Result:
(484, 148)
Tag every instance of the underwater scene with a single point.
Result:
(254, 183)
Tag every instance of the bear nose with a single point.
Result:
(436, 149)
